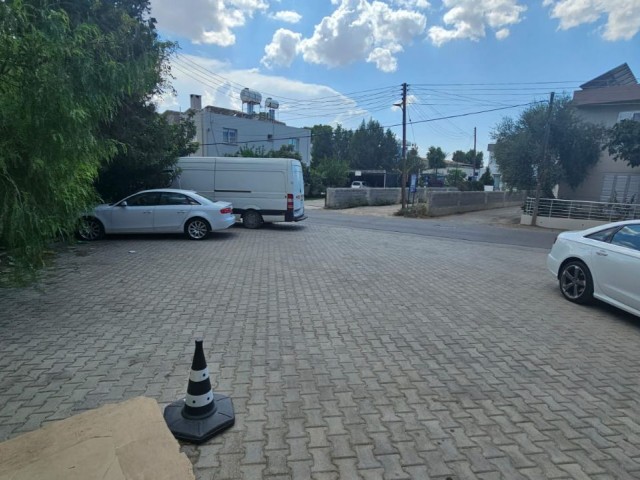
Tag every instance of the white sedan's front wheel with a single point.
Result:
(197, 229)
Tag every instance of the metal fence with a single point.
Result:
(579, 210)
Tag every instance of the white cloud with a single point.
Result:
(623, 16)
(205, 21)
(468, 19)
(357, 30)
(384, 60)
(286, 16)
(421, 4)
(282, 49)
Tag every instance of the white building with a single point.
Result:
(222, 132)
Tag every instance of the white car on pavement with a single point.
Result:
(158, 211)
(601, 262)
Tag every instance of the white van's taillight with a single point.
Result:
(290, 201)
(226, 210)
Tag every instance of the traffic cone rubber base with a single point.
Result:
(200, 430)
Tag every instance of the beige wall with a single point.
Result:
(591, 188)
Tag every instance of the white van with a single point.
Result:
(260, 189)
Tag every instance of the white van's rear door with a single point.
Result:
(298, 190)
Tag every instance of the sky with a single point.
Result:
(344, 61)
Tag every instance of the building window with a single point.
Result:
(230, 135)
(295, 143)
(629, 116)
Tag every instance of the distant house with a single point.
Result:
(605, 100)
(222, 132)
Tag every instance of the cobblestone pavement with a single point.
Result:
(349, 354)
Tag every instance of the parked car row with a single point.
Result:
(602, 263)
(208, 194)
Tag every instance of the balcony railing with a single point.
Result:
(579, 210)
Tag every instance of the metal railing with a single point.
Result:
(580, 210)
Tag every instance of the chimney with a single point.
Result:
(196, 102)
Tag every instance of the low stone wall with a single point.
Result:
(357, 197)
(440, 201)
(447, 203)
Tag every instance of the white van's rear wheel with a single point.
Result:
(252, 219)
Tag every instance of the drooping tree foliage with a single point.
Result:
(65, 70)
(623, 142)
(573, 147)
(148, 146)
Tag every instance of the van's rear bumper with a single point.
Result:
(288, 217)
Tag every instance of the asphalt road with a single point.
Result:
(494, 234)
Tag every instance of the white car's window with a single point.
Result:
(173, 198)
(143, 200)
(628, 236)
(603, 235)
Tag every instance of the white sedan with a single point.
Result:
(159, 211)
(601, 262)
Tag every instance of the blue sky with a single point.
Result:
(343, 61)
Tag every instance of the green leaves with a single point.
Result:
(65, 71)
(623, 142)
(574, 147)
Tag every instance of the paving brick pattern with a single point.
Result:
(349, 354)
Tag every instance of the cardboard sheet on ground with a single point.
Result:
(129, 440)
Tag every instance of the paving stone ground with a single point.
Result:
(348, 354)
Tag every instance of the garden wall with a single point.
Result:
(440, 201)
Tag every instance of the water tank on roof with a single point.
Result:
(250, 96)
(271, 103)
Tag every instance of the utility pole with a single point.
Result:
(404, 145)
(474, 153)
(543, 163)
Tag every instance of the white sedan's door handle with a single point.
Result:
(181, 211)
(602, 253)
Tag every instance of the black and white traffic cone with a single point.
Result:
(202, 414)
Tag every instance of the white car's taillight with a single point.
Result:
(226, 210)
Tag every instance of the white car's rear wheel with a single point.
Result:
(576, 283)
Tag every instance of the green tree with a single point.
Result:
(436, 158)
(65, 70)
(486, 178)
(573, 148)
(341, 141)
(623, 142)
(371, 148)
(148, 149)
(459, 157)
(322, 143)
(456, 178)
(415, 163)
(475, 159)
(334, 173)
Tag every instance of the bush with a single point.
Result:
(418, 210)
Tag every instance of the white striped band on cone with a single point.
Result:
(199, 401)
